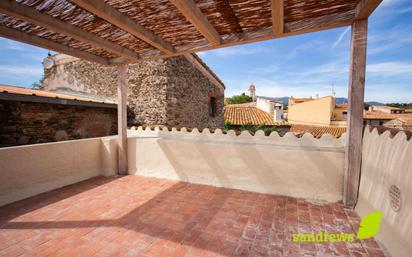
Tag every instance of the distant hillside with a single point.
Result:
(283, 100)
(339, 100)
(374, 103)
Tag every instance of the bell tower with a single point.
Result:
(252, 92)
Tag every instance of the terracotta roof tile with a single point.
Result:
(318, 131)
(389, 107)
(341, 106)
(243, 115)
(385, 116)
(4, 89)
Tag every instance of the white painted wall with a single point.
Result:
(387, 161)
(33, 169)
(306, 167)
(270, 107)
(264, 105)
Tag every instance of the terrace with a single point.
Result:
(199, 193)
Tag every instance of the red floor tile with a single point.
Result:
(137, 216)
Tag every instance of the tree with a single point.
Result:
(38, 84)
(239, 99)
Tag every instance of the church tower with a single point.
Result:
(252, 92)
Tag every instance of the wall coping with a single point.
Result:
(326, 142)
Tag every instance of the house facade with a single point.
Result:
(176, 92)
(317, 112)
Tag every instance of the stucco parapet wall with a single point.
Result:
(386, 162)
(306, 142)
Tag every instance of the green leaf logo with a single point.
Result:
(370, 225)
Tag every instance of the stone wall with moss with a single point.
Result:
(169, 92)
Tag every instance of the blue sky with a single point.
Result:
(299, 66)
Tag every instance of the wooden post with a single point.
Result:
(353, 156)
(122, 118)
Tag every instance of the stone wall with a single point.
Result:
(31, 123)
(168, 92)
(188, 95)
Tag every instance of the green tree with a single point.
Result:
(38, 84)
(401, 105)
(239, 99)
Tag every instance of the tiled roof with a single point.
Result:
(406, 122)
(4, 89)
(243, 115)
(385, 116)
(300, 100)
(388, 107)
(393, 131)
(317, 131)
(251, 104)
(341, 106)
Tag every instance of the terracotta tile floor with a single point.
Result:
(137, 216)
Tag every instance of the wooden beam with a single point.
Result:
(122, 118)
(353, 156)
(325, 22)
(365, 8)
(112, 15)
(30, 14)
(44, 43)
(195, 16)
(277, 16)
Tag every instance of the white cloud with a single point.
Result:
(392, 39)
(266, 69)
(386, 3)
(340, 38)
(21, 70)
(385, 69)
(406, 10)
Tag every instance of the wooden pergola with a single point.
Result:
(118, 32)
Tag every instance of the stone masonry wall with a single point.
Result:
(188, 97)
(30, 123)
(168, 92)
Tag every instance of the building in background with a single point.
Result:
(252, 92)
(271, 106)
(400, 123)
(293, 100)
(176, 92)
(30, 116)
(317, 112)
(386, 109)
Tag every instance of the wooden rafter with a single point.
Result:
(26, 13)
(365, 8)
(44, 43)
(277, 16)
(291, 29)
(115, 17)
(194, 15)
